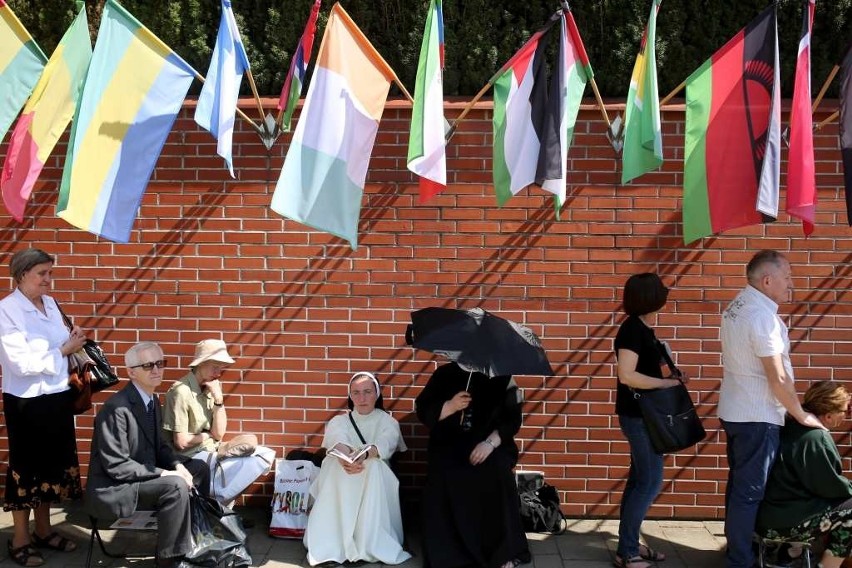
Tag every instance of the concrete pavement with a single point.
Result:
(586, 544)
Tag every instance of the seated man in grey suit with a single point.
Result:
(132, 465)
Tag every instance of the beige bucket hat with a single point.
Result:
(211, 350)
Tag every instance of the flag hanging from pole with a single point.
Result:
(217, 103)
(733, 134)
(643, 136)
(520, 105)
(134, 88)
(846, 127)
(46, 115)
(21, 65)
(426, 146)
(801, 175)
(322, 181)
(566, 93)
(293, 84)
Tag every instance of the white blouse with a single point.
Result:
(30, 341)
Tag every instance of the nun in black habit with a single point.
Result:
(470, 502)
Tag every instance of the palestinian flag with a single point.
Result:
(801, 176)
(733, 134)
(520, 100)
(563, 104)
(846, 127)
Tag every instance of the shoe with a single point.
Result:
(648, 553)
(25, 555)
(54, 541)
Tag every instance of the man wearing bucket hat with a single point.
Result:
(195, 421)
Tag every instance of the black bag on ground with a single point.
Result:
(539, 504)
(218, 537)
(669, 414)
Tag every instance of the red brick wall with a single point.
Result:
(302, 311)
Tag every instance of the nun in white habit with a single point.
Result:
(355, 515)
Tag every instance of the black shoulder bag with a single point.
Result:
(669, 413)
(101, 372)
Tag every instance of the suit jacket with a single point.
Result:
(123, 454)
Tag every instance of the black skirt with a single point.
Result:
(43, 464)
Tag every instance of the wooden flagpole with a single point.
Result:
(243, 115)
(601, 104)
(671, 95)
(257, 100)
(828, 120)
(825, 86)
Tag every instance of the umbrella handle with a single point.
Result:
(461, 418)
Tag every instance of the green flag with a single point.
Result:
(643, 138)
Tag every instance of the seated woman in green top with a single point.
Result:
(807, 495)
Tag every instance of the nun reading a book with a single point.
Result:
(355, 515)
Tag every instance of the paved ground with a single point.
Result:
(586, 544)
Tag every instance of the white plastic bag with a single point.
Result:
(290, 502)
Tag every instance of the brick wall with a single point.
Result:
(302, 311)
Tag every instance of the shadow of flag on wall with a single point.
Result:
(846, 127)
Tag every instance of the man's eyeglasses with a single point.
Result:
(150, 365)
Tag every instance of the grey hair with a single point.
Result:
(24, 260)
(131, 356)
(754, 269)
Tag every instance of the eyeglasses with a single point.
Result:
(150, 365)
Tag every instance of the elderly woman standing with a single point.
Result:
(356, 513)
(34, 349)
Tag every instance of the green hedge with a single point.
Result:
(480, 34)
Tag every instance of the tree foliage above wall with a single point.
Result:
(480, 35)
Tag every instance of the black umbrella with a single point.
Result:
(478, 340)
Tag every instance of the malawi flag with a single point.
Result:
(846, 127)
(520, 105)
(733, 133)
(563, 104)
(292, 89)
(427, 156)
(801, 177)
(46, 115)
(643, 136)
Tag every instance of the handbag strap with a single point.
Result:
(67, 321)
(360, 435)
(676, 373)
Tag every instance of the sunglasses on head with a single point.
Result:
(150, 365)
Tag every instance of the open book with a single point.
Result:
(347, 454)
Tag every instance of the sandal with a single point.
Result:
(25, 555)
(633, 562)
(648, 553)
(54, 541)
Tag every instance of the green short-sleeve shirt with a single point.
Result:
(188, 410)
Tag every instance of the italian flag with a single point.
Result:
(426, 146)
(733, 134)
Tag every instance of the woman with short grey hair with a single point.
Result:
(37, 407)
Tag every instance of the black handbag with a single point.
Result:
(92, 361)
(669, 414)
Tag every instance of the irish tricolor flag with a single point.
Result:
(733, 134)
(46, 115)
(21, 64)
(426, 147)
(323, 177)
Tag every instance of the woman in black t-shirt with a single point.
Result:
(639, 367)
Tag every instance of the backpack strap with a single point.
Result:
(357, 431)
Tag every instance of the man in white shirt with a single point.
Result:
(757, 390)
